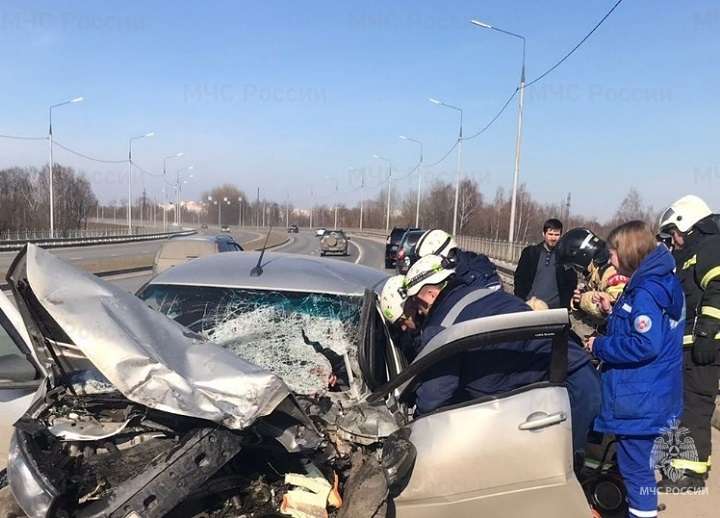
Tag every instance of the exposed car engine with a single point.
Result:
(103, 455)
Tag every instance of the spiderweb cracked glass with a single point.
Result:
(293, 336)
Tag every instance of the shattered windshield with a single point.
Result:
(307, 339)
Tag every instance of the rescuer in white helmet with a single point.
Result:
(446, 296)
(696, 249)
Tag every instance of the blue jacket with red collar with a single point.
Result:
(642, 352)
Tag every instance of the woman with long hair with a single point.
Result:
(641, 373)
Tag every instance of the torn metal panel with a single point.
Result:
(149, 358)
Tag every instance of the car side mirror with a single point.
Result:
(398, 460)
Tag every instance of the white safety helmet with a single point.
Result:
(435, 242)
(392, 298)
(429, 270)
(684, 213)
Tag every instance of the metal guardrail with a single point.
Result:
(493, 248)
(11, 245)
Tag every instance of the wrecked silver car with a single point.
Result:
(273, 393)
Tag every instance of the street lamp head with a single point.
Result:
(77, 99)
(151, 134)
(178, 155)
(403, 137)
(481, 24)
(434, 101)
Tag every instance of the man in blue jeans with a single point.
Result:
(447, 293)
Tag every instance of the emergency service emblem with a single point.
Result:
(642, 324)
(673, 445)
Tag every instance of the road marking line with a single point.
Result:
(360, 252)
(290, 242)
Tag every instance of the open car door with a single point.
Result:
(20, 373)
(508, 455)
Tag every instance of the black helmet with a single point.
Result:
(579, 247)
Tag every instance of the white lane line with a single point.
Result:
(77, 258)
(360, 251)
(276, 248)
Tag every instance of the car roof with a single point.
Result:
(281, 272)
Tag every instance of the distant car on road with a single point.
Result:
(392, 243)
(334, 242)
(203, 226)
(320, 232)
(181, 250)
(225, 228)
(293, 229)
(405, 256)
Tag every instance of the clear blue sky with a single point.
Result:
(282, 94)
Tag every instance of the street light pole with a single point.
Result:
(240, 206)
(178, 190)
(164, 193)
(312, 201)
(419, 171)
(50, 180)
(130, 164)
(387, 217)
(518, 136)
(459, 161)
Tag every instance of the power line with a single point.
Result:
(88, 157)
(18, 137)
(576, 47)
(494, 119)
(444, 156)
(145, 171)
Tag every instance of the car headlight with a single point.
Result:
(29, 491)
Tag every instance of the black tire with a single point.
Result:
(389, 265)
(322, 254)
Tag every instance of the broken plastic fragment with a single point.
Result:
(312, 496)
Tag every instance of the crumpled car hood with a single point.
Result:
(149, 358)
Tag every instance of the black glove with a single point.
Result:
(705, 349)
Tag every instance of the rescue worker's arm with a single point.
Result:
(644, 322)
(707, 326)
(438, 386)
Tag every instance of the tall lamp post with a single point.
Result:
(387, 217)
(240, 207)
(459, 161)
(417, 207)
(50, 138)
(518, 137)
(178, 189)
(164, 193)
(130, 170)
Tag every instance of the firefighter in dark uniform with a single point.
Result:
(696, 248)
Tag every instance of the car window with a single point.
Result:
(7, 342)
(301, 337)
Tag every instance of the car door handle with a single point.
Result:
(541, 420)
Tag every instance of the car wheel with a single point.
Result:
(322, 254)
(389, 265)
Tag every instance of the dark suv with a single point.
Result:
(405, 256)
(391, 244)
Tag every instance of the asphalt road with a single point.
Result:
(119, 250)
(362, 250)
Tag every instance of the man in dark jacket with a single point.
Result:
(446, 293)
(696, 241)
(539, 273)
